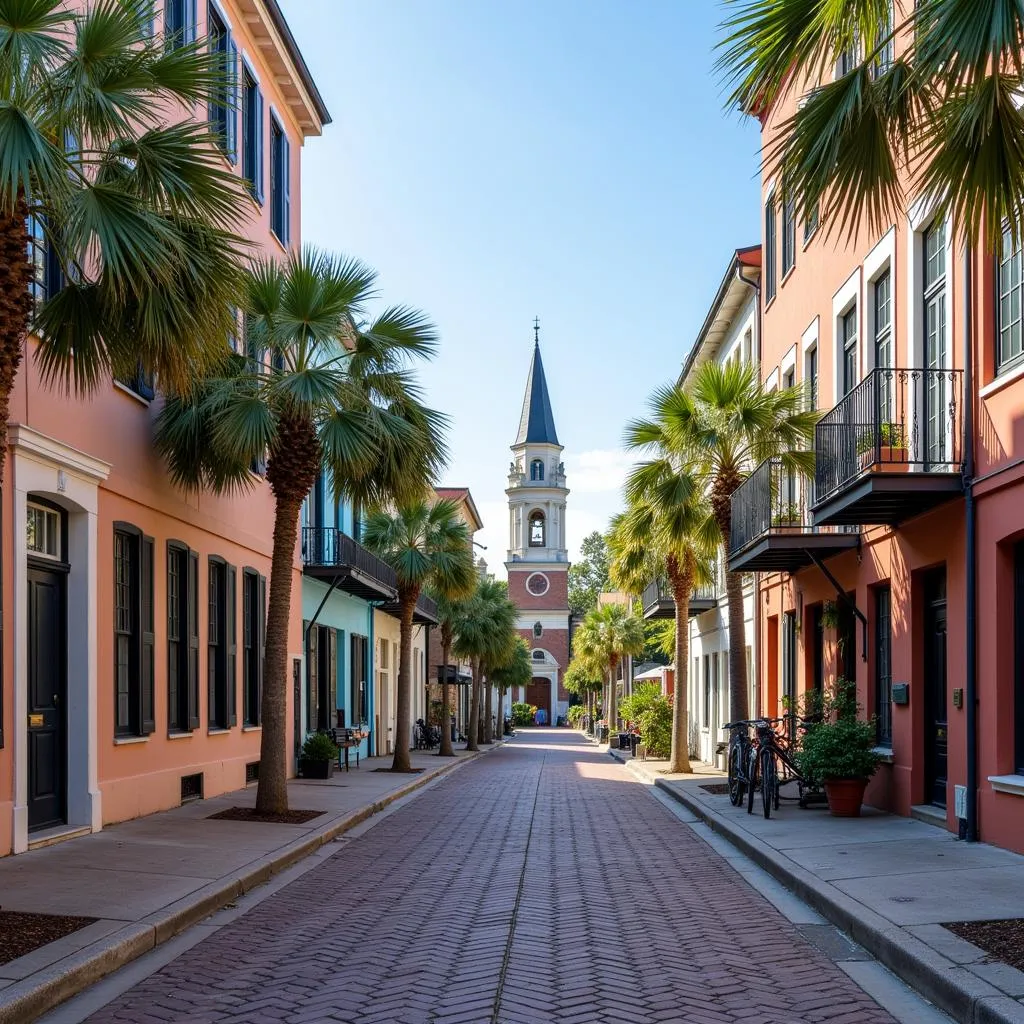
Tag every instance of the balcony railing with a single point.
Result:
(771, 528)
(657, 601)
(331, 555)
(895, 420)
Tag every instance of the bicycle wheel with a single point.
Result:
(751, 779)
(736, 786)
(769, 781)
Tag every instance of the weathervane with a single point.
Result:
(536, 331)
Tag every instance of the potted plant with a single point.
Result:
(318, 756)
(787, 516)
(884, 448)
(838, 751)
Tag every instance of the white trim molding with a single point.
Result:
(1013, 784)
(810, 336)
(846, 297)
(882, 258)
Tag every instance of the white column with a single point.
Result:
(20, 601)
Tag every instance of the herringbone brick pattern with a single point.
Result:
(537, 885)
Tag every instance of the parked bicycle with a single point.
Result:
(739, 759)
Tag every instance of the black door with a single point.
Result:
(935, 726)
(789, 670)
(846, 636)
(47, 699)
(818, 648)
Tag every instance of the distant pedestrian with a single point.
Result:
(541, 718)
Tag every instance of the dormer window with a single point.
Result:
(536, 529)
(537, 470)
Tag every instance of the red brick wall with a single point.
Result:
(555, 642)
(557, 595)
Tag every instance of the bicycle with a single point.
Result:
(768, 754)
(739, 756)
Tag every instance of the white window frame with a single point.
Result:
(846, 298)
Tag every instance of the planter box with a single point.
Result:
(890, 460)
(315, 769)
(786, 527)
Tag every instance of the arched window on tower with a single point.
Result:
(537, 470)
(536, 528)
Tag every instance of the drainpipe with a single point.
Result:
(970, 543)
(755, 683)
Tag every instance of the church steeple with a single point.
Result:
(537, 423)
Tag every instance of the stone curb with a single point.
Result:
(26, 1000)
(947, 985)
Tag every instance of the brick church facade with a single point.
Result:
(538, 559)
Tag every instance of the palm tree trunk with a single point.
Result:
(474, 708)
(446, 726)
(15, 307)
(488, 713)
(272, 788)
(721, 504)
(403, 703)
(682, 585)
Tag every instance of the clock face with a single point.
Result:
(537, 584)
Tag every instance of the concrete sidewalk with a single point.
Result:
(146, 880)
(889, 882)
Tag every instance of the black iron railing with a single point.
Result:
(659, 592)
(773, 497)
(894, 418)
(328, 546)
(427, 606)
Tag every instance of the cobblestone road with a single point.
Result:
(538, 884)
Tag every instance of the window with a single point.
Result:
(536, 470)
(788, 236)
(812, 377)
(1009, 343)
(43, 532)
(221, 641)
(321, 677)
(707, 691)
(280, 182)
(538, 630)
(748, 345)
(883, 61)
(179, 22)
(133, 631)
(810, 223)
(848, 341)
(883, 345)
(254, 625)
(538, 655)
(883, 665)
(182, 638)
(142, 382)
(223, 112)
(935, 344)
(769, 249)
(360, 707)
(536, 529)
(252, 134)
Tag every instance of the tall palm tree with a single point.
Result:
(609, 633)
(668, 528)
(301, 400)
(117, 243)
(584, 678)
(485, 635)
(427, 544)
(928, 105)
(448, 611)
(723, 425)
(514, 670)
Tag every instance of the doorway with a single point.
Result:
(936, 734)
(538, 693)
(47, 697)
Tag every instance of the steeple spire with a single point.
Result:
(536, 424)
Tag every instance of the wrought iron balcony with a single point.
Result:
(424, 614)
(891, 449)
(658, 603)
(771, 527)
(330, 555)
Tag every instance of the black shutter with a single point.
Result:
(313, 678)
(262, 641)
(193, 640)
(214, 613)
(231, 639)
(332, 677)
(147, 681)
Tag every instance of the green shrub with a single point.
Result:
(651, 713)
(522, 714)
(841, 745)
(576, 712)
(319, 747)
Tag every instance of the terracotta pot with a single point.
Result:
(845, 796)
(890, 460)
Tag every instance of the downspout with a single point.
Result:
(970, 543)
(755, 355)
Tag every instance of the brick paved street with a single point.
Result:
(541, 883)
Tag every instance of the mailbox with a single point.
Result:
(901, 693)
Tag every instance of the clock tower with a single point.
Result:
(538, 560)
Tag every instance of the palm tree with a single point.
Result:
(427, 544)
(584, 678)
(940, 118)
(485, 635)
(514, 670)
(609, 633)
(668, 530)
(303, 401)
(722, 426)
(448, 612)
(117, 243)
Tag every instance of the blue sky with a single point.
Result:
(567, 159)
